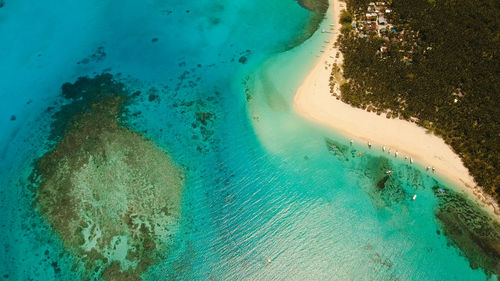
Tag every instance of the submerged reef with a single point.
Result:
(318, 9)
(112, 196)
(317, 6)
(340, 151)
(97, 56)
(385, 189)
(470, 228)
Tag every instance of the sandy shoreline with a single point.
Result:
(314, 101)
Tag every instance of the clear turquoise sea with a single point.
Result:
(266, 198)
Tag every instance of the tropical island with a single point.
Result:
(418, 80)
(412, 62)
(161, 141)
(434, 63)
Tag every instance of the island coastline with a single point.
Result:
(314, 101)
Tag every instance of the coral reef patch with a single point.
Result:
(97, 56)
(318, 10)
(385, 189)
(473, 231)
(340, 151)
(112, 195)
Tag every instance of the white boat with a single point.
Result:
(324, 31)
(414, 197)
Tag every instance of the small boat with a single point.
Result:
(441, 190)
(414, 197)
(388, 172)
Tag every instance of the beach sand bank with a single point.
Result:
(315, 102)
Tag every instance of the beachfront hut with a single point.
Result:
(381, 20)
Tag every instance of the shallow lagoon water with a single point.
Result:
(265, 197)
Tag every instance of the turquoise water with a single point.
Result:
(265, 198)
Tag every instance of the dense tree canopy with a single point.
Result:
(440, 69)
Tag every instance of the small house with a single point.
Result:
(370, 16)
(381, 20)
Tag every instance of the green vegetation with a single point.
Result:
(345, 20)
(440, 69)
(345, 17)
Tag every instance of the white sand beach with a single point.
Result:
(314, 101)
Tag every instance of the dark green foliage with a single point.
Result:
(441, 67)
(345, 17)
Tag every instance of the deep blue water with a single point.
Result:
(265, 199)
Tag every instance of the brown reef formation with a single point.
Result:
(112, 196)
(318, 10)
(470, 228)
